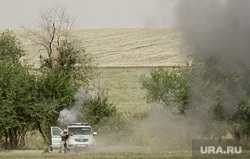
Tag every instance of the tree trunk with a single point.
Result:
(11, 139)
(40, 130)
(237, 135)
(48, 133)
(6, 140)
(15, 135)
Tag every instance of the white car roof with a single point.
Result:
(77, 126)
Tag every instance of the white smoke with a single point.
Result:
(67, 116)
(75, 112)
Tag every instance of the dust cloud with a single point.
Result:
(217, 30)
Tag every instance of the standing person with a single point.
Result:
(65, 136)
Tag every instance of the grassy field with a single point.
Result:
(30, 154)
(134, 46)
(124, 88)
(119, 47)
(122, 55)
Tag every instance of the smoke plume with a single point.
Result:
(217, 31)
(75, 112)
(213, 28)
(220, 28)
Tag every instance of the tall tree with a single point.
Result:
(55, 24)
(16, 93)
(218, 93)
(58, 84)
(64, 69)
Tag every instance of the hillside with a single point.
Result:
(123, 47)
(123, 55)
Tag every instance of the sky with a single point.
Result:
(91, 13)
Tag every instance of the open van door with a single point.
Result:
(56, 137)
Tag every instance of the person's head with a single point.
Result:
(65, 130)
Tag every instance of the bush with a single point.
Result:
(10, 47)
(97, 110)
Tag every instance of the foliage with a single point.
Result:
(97, 110)
(51, 91)
(55, 92)
(218, 92)
(168, 87)
(57, 84)
(75, 62)
(104, 118)
(10, 47)
(16, 103)
(223, 92)
(16, 92)
(55, 23)
(35, 101)
(65, 69)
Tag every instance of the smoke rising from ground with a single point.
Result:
(215, 29)
(218, 31)
(75, 112)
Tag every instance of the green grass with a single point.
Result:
(28, 154)
(37, 154)
(124, 89)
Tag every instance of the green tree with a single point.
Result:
(55, 92)
(10, 47)
(16, 103)
(217, 92)
(75, 62)
(167, 86)
(104, 117)
(16, 92)
(64, 70)
(55, 23)
(222, 91)
(97, 110)
(57, 84)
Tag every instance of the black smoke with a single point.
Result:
(220, 28)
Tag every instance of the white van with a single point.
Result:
(81, 137)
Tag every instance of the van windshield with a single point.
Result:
(80, 131)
